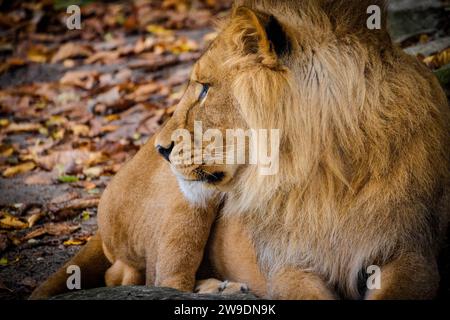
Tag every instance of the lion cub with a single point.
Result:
(148, 233)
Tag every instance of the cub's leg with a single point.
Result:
(295, 284)
(411, 276)
(214, 286)
(182, 242)
(121, 274)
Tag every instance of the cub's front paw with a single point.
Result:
(214, 286)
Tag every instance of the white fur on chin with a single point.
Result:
(196, 192)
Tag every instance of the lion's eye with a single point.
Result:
(203, 92)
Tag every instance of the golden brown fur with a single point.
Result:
(363, 157)
(148, 233)
(364, 148)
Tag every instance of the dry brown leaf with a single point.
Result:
(58, 229)
(6, 151)
(80, 130)
(158, 30)
(54, 229)
(93, 172)
(438, 60)
(37, 56)
(71, 50)
(143, 44)
(83, 78)
(21, 168)
(65, 197)
(89, 185)
(144, 91)
(75, 204)
(103, 56)
(34, 234)
(8, 221)
(69, 159)
(109, 97)
(22, 127)
(35, 217)
(109, 128)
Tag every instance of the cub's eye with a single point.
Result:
(203, 91)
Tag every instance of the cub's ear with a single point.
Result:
(261, 34)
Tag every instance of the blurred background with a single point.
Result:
(76, 104)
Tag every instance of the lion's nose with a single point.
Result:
(165, 152)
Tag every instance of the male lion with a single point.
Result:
(363, 167)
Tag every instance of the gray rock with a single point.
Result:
(145, 293)
(402, 5)
(429, 48)
(408, 18)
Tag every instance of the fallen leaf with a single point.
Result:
(83, 78)
(85, 215)
(438, 60)
(3, 262)
(22, 127)
(21, 168)
(103, 56)
(58, 229)
(93, 172)
(71, 50)
(35, 55)
(109, 97)
(158, 30)
(54, 229)
(9, 221)
(67, 196)
(143, 92)
(6, 152)
(80, 130)
(67, 179)
(76, 204)
(89, 185)
(74, 242)
(69, 159)
(35, 218)
(69, 63)
(34, 234)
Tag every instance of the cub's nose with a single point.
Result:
(165, 152)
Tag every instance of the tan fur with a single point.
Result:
(149, 233)
(364, 149)
(363, 163)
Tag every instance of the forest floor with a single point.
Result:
(76, 104)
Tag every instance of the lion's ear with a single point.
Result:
(260, 34)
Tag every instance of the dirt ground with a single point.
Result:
(71, 115)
